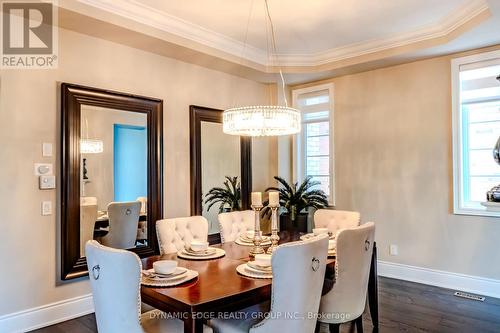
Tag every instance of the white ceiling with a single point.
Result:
(310, 27)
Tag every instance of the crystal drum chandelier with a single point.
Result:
(263, 120)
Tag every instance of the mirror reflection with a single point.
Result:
(113, 179)
(221, 173)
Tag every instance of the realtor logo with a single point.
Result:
(29, 35)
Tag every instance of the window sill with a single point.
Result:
(476, 212)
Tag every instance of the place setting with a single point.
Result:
(247, 238)
(200, 250)
(166, 273)
(332, 242)
(259, 268)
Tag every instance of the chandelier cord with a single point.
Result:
(273, 43)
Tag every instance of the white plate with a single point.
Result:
(243, 243)
(208, 252)
(245, 270)
(254, 266)
(311, 235)
(150, 273)
(190, 275)
(218, 253)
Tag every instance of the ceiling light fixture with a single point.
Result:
(90, 146)
(263, 120)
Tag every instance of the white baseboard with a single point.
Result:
(46, 315)
(449, 280)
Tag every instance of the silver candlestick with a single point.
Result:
(274, 230)
(257, 238)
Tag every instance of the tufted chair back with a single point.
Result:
(335, 220)
(297, 266)
(123, 223)
(346, 300)
(115, 277)
(174, 234)
(232, 224)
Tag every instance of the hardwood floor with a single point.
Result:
(404, 307)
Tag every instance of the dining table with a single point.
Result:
(220, 290)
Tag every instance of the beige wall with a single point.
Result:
(393, 140)
(29, 115)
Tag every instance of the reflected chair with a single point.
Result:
(123, 223)
(298, 272)
(115, 278)
(173, 234)
(233, 224)
(336, 220)
(346, 301)
(142, 230)
(88, 217)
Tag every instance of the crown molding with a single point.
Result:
(444, 28)
(449, 27)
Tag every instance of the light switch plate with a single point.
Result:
(47, 182)
(46, 208)
(47, 149)
(393, 249)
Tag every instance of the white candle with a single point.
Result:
(256, 199)
(274, 199)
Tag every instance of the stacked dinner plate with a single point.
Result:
(178, 276)
(246, 241)
(331, 249)
(209, 253)
(251, 269)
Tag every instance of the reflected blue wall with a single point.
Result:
(130, 162)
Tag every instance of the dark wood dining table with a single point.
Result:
(220, 289)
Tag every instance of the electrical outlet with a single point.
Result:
(46, 208)
(393, 250)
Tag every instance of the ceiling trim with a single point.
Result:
(449, 27)
(445, 27)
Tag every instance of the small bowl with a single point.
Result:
(197, 245)
(332, 243)
(165, 266)
(320, 231)
(263, 260)
(250, 234)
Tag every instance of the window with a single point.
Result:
(314, 145)
(476, 128)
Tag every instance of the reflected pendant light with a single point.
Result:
(263, 120)
(90, 146)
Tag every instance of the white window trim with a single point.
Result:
(457, 137)
(298, 170)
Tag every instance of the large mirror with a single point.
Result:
(111, 173)
(220, 168)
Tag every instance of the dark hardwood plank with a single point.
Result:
(403, 307)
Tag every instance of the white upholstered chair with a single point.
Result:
(123, 223)
(232, 224)
(115, 278)
(88, 217)
(298, 273)
(173, 234)
(335, 220)
(346, 301)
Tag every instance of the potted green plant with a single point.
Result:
(294, 202)
(228, 197)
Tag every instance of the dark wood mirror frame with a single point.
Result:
(73, 97)
(197, 114)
